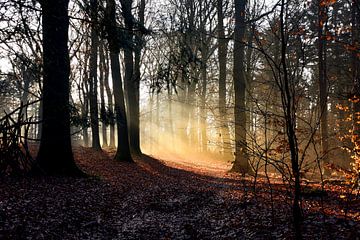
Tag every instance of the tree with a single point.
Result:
(289, 107)
(139, 40)
(131, 82)
(55, 155)
(222, 53)
(93, 77)
(355, 62)
(241, 163)
(323, 83)
(123, 148)
(104, 73)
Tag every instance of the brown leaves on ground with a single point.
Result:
(155, 199)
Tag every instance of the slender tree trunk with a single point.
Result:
(170, 116)
(110, 100)
(40, 118)
(55, 155)
(241, 163)
(222, 54)
(289, 108)
(203, 112)
(137, 77)
(151, 132)
(85, 94)
(102, 95)
(249, 80)
(182, 124)
(157, 123)
(323, 83)
(123, 148)
(84, 113)
(191, 113)
(26, 78)
(94, 115)
(203, 71)
(85, 106)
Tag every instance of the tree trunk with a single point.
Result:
(170, 115)
(191, 103)
(26, 78)
(40, 117)
(356, 78)
(289, 108)
(241, 163)
(94, 115)
(203, 112)
(123, 148)
(157, 124)
(131, 83)
(151, 131)
(110, 101)
(55, 155)
(137, 77)
(323, 84)
(222, 54)
(102, 95)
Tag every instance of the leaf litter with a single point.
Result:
(158, 199)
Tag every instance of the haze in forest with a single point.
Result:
(243, 85)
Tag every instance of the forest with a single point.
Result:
(179, 119)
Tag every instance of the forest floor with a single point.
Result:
(157, 199)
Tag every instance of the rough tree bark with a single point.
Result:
(123, 148)
(323, 83)
(355, 18)
(94, 115)
(241, 163)
(131, 84)
(55, 155)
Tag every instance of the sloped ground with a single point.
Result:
(153, 199)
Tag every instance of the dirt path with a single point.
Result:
(150, 199)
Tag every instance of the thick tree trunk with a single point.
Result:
(131, 83)
(123, 148)
(94, 115)
(55, 155)
(241, 163)
(356, 77)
